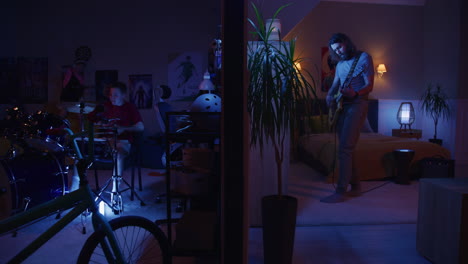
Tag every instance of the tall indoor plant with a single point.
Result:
(434, 104)
(276, 89)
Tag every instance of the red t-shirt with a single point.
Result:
(127, 115)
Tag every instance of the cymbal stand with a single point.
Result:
(116, 202)
(82, 144)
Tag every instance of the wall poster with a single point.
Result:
(185, 74)
(141, 90)
(24, 80)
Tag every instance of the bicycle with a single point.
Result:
(127, 239)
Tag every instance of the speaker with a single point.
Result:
(437, 167)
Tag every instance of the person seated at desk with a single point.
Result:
(121, 117)
(161, 107)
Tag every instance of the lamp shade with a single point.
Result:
(275, 28)
(381, 68)
(206, 84)
(405, 115)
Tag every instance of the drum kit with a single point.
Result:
(33, 161)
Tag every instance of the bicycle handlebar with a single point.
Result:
(83, 163)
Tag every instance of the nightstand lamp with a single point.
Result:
(405, 115)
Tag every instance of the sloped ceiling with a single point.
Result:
(300, 8)
(289, 16)
(386, 2)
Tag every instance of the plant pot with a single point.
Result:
(279, 226)
(436, 141)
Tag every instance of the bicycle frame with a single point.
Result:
(82, 199)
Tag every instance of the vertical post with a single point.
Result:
(234, 229)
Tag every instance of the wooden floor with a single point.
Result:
(381, 243)
(356, 244)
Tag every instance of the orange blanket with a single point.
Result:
(374, 154)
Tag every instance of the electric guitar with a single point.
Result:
(337, 106)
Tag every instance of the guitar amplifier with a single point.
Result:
(437, 167)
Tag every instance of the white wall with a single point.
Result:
(418, 44)
(392, 34)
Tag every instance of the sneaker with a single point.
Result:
(334, 198)
(355, 190)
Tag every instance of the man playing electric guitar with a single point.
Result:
(354, 80)
(335, 107)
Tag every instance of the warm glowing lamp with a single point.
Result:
(298, 66)
(405, 115)
(381, 69)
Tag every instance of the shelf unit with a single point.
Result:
(196, 176)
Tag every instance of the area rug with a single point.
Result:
(382, 202)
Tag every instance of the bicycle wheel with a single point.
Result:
(139, 239)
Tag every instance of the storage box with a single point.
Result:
(437, 167)
(189, 182)
(442, 229)
(198, 159)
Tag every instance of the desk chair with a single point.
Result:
(161, 109)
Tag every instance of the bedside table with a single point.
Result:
(407, 133)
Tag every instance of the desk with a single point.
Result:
(407, 133)
(442, 235)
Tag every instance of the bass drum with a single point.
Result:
(29, 180)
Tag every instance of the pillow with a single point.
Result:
(315, 124)
(318, 124)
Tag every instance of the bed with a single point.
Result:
(374, 151)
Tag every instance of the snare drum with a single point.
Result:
(43, 145)
(102, 148)
(29, 180)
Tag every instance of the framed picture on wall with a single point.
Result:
(24, 80)
(328, 70)
(141, 90)
(8, 81)
(33, 79)
(102, 79)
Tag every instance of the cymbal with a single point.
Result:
(88, 108)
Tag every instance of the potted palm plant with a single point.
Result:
(434, 104)
(276, 88)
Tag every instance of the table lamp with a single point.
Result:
(405, 115)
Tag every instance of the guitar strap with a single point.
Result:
(350, 73)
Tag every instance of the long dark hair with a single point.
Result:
(343, 39)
